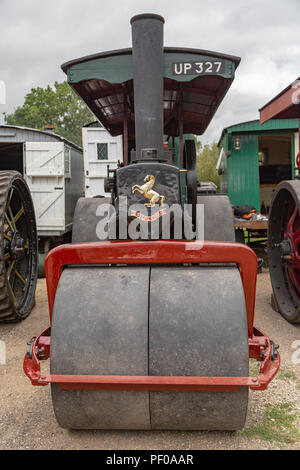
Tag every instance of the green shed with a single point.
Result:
(254, 158)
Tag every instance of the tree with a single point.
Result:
(207, 158)
(59, 106)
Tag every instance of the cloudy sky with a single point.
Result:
(37, 36)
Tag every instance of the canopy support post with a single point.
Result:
(125, 132)
(181, 128)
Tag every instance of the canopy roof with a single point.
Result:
(195, 82)
(285, 105)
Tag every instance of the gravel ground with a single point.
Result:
(27, 420)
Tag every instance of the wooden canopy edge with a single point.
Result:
(285, 105)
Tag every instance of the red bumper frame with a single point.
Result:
(148, 253)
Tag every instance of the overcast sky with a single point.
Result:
(37, 36)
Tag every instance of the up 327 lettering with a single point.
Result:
(198, 68)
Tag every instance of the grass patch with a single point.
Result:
(283, 374)
(254, 367)
(278, 425)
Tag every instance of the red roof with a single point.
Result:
(285, 105)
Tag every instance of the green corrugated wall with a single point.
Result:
(241, 177)
(272, 125)
(243, 173)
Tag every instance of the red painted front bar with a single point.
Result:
(150, 383)
(158, 252)
(155, 252)
(41, 351)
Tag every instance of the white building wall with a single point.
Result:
(95, 168)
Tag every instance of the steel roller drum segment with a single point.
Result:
(110, 312)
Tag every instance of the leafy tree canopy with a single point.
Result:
(59, 106)
(207, 158)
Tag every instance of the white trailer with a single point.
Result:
(53, 170)
(99, 150)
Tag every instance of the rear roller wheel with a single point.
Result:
(150, 321)
(86, 219)
(218, 218)
(19, 262)
(284, 249)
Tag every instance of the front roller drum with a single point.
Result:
(158, 321)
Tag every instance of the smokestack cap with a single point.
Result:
(147, 16)
(50, 128)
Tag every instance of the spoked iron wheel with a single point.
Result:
(284, 250)
(19, 248)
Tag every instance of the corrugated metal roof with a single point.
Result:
(255, 126)
(94, 124)
(25, 133)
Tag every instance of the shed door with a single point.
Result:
(243, 172)
(100, 150)
(44, 173)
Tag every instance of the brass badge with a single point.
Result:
(147, 191)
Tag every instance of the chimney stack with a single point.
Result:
(148, 73)
(50, 128)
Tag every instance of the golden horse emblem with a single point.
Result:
(147, 191)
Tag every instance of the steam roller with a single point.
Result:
(152, 304)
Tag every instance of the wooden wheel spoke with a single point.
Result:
(10, 281)
(9, 198)
(18, 215)
(26, 246)
(10, 226)
(20, 277)
(10, 268)
(11, 293)
(12, 219)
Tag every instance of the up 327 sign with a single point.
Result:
(199, 68)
